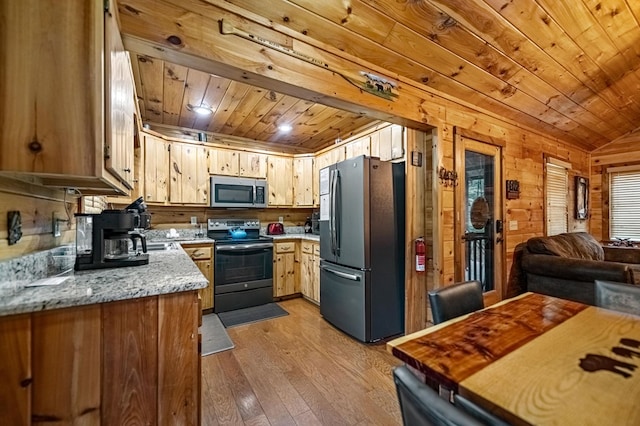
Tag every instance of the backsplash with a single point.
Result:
(189, 232)
(37, 265)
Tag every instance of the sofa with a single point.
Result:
(566, 265)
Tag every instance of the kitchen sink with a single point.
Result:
(159, 246)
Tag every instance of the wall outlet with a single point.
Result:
(56, 226)
(280, 219)
(194, 220)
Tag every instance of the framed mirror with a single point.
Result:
(582, 197)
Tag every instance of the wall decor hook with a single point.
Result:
(448, 177)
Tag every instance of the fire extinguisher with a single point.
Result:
(421, 254)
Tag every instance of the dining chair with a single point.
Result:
(478, 412)
(455, 300)
(421, 405)
(619, 297)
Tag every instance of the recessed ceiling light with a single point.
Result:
(285, 127)
(200, 109)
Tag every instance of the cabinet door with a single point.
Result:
(178, 389)
(284, 272)
(52, 92)
(66, 355)
(253, 164)
(223, 162)
(156, 168)
(188, 174)
(202, 256)
(303, 181)
(202, 176)
(206, 294)
(120, 106)
(306, 286)
(323, 160)
(397, 142)
(15, 369)
(280, 181)
(360, 146)
(175, 173)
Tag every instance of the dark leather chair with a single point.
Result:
(455, 300)
(421, 405)
(478, 412)
(618, 296)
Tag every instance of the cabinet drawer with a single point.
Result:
(307, 247)
(316, 249)
(285, 247)
(198, 253)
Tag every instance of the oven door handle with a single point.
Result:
(243, 247)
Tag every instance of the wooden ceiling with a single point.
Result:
(570, 69)
(168, 92)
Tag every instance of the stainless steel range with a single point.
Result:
(243, 271)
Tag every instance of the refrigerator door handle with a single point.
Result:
(344, 275)
(338, 213)
(332, 212)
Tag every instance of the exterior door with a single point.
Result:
(479, 220)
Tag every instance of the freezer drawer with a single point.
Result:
(343, 299)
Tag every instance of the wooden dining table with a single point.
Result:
(536, 360)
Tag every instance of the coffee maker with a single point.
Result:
(102, 240)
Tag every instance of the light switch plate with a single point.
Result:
(513, 225)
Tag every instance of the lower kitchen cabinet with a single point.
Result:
(284, 270)
(202, 256)
(310, 270)
(105, 364)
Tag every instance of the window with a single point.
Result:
(624, 205)
(556, 189)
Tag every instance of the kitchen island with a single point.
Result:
(109, 346)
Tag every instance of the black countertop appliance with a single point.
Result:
(102, 240)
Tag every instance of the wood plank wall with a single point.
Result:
(37, 205)
(523, 160)
(624, 151)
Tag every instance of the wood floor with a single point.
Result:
(298, 370)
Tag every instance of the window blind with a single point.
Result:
(556, 190)
(624, 213)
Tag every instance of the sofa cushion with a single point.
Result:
(575, 245)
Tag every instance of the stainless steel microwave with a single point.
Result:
(230, 191)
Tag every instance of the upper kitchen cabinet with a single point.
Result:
(280, 181)
(253, 164)
(388, 143)
(156, 169)
(303, 195)
(360, 146)
(189, 179)
(237, 163)
(224, 162)
(327, 158)
(66, 96)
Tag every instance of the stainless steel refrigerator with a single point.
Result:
(362, 247)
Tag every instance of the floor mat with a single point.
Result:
(253, 314)
(214, 336)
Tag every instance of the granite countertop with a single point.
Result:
(168, 271)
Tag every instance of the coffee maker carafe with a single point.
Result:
(109, 239)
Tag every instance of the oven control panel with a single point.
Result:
(227, 224)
